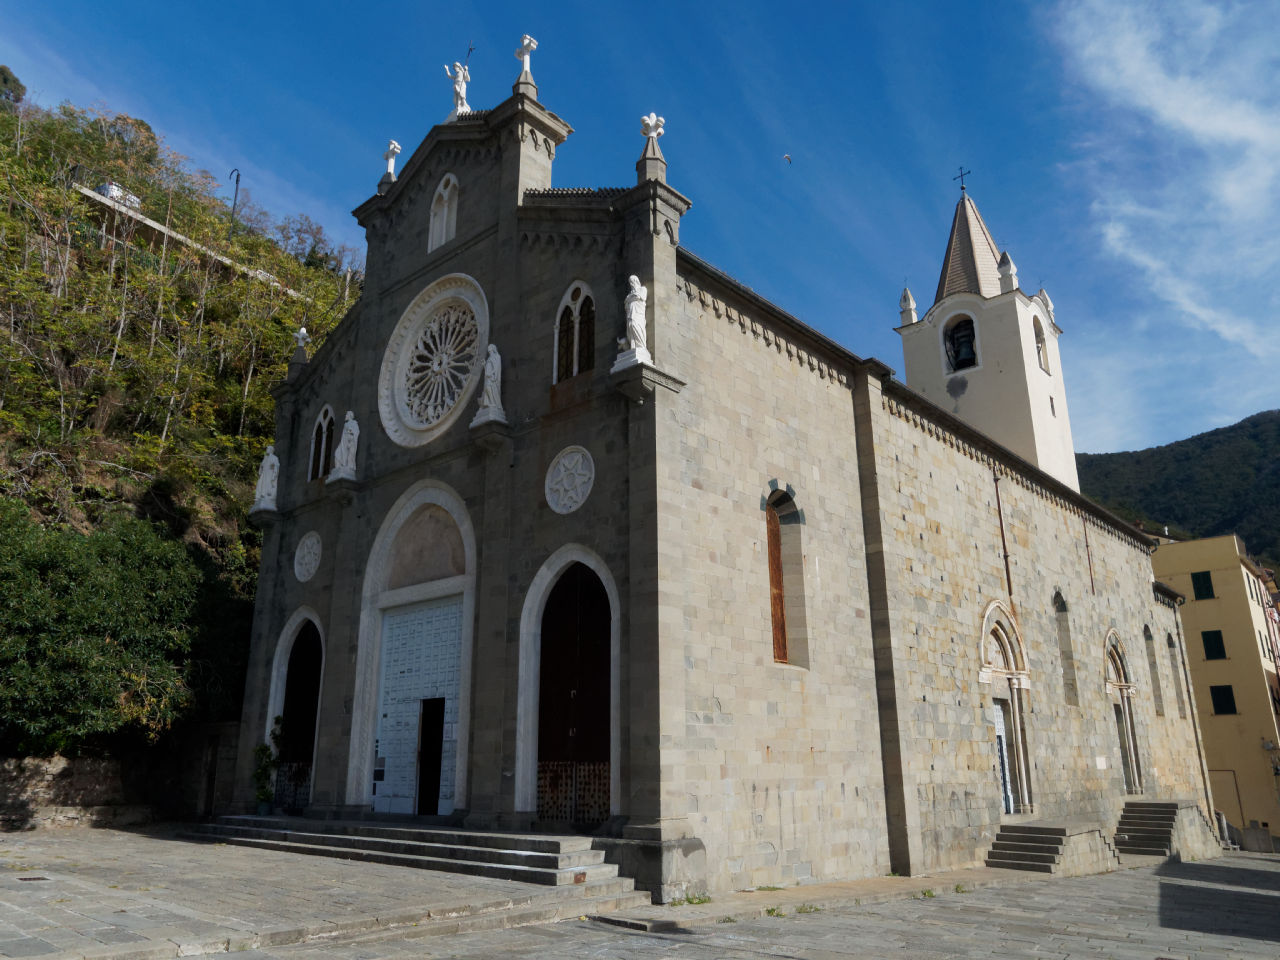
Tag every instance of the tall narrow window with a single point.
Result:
(960, 342)
(784, 523)
(1214, 648)
(1042, 349)
(444, 213)
(1224, 699)
(1176, 673)
(575, 333)
(321, 446)
(1070, 691)
(777, 593)
(1157, 692)
(1202, 585)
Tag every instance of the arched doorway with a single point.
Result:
(296, 740)
(574, 701)
(1120, 692)
(416, 742)
(1004, 669)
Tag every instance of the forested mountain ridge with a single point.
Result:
(140, 332)
(1223, 481)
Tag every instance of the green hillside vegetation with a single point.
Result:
(135, 367)
(1223, 481)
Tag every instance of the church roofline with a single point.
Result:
(841, 355)
(999, 451)
(472, 127)
(686, 258)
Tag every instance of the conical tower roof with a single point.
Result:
(971, 263)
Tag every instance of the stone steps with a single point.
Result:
(1033, 847)
(1146, 828)
(414, 847)
(565, 862)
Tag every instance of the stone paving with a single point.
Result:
(142, 895)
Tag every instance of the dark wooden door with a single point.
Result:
(430, 750)
(574, 701)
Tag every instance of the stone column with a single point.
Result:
(902, 811)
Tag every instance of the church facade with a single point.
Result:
(669, 566)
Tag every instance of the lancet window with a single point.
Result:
(444, 213)
(321, 461)
(575, 333)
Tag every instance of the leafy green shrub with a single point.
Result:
(93, 631)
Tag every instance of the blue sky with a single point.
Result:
(1126, 154)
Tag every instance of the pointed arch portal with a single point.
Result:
(570, 680)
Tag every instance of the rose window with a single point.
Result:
(440, 364)
(434, 360)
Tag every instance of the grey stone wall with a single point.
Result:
(778, 763)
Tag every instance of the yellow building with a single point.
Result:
(1231, 643)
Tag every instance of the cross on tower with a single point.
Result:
(963, 173)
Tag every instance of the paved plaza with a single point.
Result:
(144, 895)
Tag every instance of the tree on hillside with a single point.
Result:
(11, 88)
(135, 372)
(94, 631)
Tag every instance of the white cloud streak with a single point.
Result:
(1185, 154)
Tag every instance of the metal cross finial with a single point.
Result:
(963, 173)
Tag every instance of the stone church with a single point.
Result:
(566, 529)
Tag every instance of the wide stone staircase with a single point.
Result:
(566, 863)
(1025, 846)
(1146, 828)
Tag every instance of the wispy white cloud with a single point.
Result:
(1183, 154)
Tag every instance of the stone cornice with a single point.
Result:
(908, 406)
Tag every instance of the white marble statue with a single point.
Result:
(491, 392)
(302, 338)
(651, 126)
(527, 46)
(264, 497)
(637, 300)
(460, 76)
(344, 455)
(393, 150)
(491, 396)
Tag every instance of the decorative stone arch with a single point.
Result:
(280, 662)
(1118, 681)
(297, 773)
(1002, 650)
(443, 225)
(1004, 667)
(788, 602)
(535, 602)
(320, 459)
(375, 598)
(573, 346)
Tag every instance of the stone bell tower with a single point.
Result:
(988, 353)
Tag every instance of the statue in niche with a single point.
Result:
(264, 497)
(492, 393)
(491, 390)
(635, 304)
(460, 76)
(344, 455)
